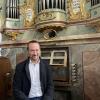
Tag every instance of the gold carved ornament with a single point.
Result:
(76, 9)
(12, 35)
(2, 23)
(45, 16)
(28, 11)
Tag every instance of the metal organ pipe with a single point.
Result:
(56, 3)
(64, 3)
(7, 8)
(15, 8)
(51, 4)
(58, 18)
(12, 9)
(60, 4)
(94, 2)
(43, 4)
(40, 5)
(47, 4)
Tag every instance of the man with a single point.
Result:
(32, 79)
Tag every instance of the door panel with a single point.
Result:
(91, 65)
(5, 70)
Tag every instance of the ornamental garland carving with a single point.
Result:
(76, 10)
(28, 11)
(45, 16)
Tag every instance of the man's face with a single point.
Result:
(34, 51)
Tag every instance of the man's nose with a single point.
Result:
(35, 52)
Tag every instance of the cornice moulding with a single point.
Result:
(64, 40)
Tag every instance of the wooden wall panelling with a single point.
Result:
(5, 79)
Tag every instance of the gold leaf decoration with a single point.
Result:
(28, 12)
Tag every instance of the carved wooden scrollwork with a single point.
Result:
(28, 12)
(76, 10)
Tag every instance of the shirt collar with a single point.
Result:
(30, 61)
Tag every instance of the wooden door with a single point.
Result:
(5, 70)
